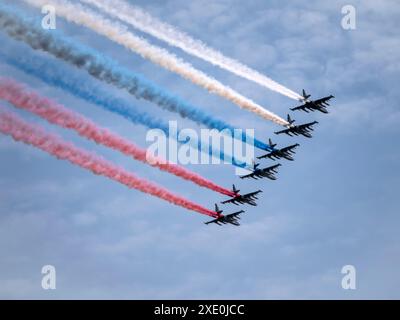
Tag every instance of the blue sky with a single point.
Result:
(337, 204)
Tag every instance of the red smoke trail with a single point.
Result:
(12, 125)
(57, 114)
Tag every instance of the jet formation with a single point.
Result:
(273, 153)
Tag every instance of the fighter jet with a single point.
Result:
(243, 198)
(313, 105)
(229, 218)
(262, 173)
(303, 129)
(286, 152)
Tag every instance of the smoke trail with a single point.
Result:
(145, 22)
(119, 34)
(14, 126)
(53, 74)
(100, 67)
(54, 113)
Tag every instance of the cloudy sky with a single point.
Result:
(336, 205)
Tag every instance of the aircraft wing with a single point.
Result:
(319, 105)
(230, 200)
(271, 168)
(289, 148)
(280, 153)
(306, 125)
(302, 107)
(251, 195)
(230, 218)
(322, 101)
(245, 198)
(288, 130)
(322, 108)
(216, 221)
(250, 175)
(234, 215)
(267, 155)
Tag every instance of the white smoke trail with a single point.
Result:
(116, 32)
(143, 21)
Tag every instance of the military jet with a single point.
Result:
(225, 219)
(262, 173)
(302, 129)
(243, 198)
(313, 105)
(286, 152)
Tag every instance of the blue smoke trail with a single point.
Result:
(103, 68)
(53, 74)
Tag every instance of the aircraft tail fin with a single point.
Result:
(305, 95)
(255, 165)
(271, 144)
(289, 119)
(217, 210)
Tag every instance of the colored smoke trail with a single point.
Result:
(19, 130)
(116, 32)
(57, 114)
(144, 22)
(100, 67)
(55, 75)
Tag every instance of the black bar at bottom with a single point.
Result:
(199, 309)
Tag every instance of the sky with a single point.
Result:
(335, 205)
